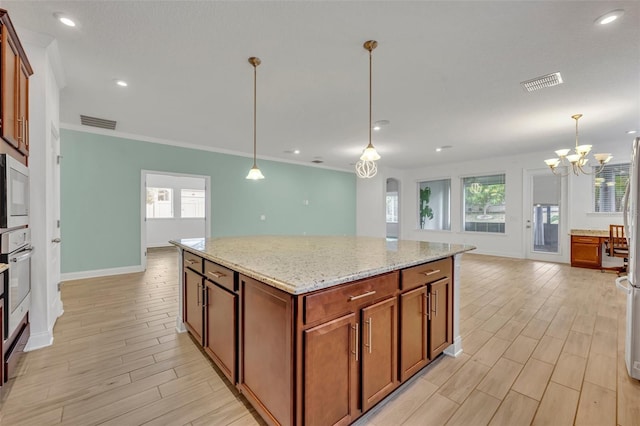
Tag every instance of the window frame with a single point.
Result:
(463, 206)
(419, 183)
(594, 201)
(170, 202)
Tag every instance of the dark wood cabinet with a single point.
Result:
(193, 303)
(1, 339)
(14, 91)
(426, 314)
(586, 252)
(221, 318)
(440, 318)
(331, 372)
(413, 321)
(379, 351)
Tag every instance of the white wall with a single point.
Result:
(160, 231)
(510, 244)
(44, 88)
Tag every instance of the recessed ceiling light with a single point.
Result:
(632, 132)
(609, 17)
(440, 148)
(296, 151)
(122, 83)
(64, 19)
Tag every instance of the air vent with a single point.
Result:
(538, 83)
(317, 161)
(97, 122)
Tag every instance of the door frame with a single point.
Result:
(143, 208)
(563, 227)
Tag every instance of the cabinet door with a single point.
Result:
(331, 373)
(10, 62)
(1, 340)
(585, 252)
(379, 351)
(22, 98)
(193, 306)
(440, 324)
(220, 332)
(413, 332)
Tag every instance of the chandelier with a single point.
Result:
(366, 167)
(254, 173)
(578, 160)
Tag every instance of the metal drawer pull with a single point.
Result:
(370, 324)
(431, 272)
(216, 274)
(198, 295)
(191, 262)
(360, 296)
(436, 303)
(355, 344)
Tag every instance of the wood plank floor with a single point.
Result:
(543, 344)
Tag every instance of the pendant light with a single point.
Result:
(254, 173)
(366, 167)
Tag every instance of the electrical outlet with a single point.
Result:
(59, 286)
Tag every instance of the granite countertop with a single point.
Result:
(3, 267)
(589, 232)
(300, 264)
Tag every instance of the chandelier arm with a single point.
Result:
(553, 170)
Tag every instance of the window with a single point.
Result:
(392, 207)
(609, 187)
(159, 203)
(434, 204)
(484, 203)
(192, 203)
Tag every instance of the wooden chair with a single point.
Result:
(618, 245)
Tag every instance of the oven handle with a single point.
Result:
(20, 258)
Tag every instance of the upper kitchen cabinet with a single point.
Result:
(14, 92)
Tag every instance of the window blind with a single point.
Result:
(608, 187)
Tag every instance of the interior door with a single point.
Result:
(545, 216)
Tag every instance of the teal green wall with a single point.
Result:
(100, 197)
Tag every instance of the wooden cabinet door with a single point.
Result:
(331, 372)
(440, 324)
(221, 316)
(379, 351)
(586, 252)
(413, 332)
(193, 306)
(22, 99)
(10, 63)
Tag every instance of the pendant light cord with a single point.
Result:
(370, 92)
(255, 84)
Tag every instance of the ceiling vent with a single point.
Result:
(97, 122)
(538, 83)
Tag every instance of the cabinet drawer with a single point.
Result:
(585, 240)
(336, 301)
(426, 273)
(193, 261)
(220, 275)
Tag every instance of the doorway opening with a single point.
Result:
(392, 206)
(173, 206)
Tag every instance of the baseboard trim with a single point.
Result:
(39, 340)
(455, 349)
(69, 276)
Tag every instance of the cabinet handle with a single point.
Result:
(423, 305)
(355, 342)
(360, 296)
(190, 262)
(429, 306)
(436, 310)
(26, 133)
(216, 274)
(431, 272)
(370, 325)
(20, 129)
(198, 295)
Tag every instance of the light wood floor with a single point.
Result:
(543, 344)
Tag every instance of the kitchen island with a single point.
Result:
(317, 330)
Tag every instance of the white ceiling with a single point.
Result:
(444, 73)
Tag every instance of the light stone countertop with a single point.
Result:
(589, 232)
(300, 264)
(3, 267)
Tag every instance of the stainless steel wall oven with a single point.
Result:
(15, 250)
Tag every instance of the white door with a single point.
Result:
(545, 216)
